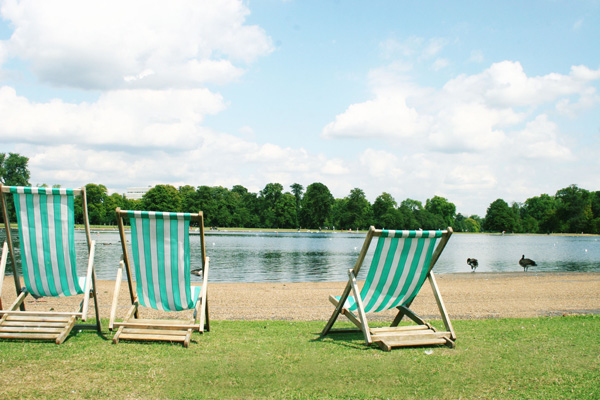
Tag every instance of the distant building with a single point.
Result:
(136, 193)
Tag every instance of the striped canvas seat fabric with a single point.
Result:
(46, 223)
(160, 247)
(399, 267)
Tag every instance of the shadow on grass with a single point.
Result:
(349, 338)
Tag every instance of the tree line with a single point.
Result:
(570, 210)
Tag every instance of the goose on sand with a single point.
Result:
(473, 263)
(526, 263)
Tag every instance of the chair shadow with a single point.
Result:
(349, 338)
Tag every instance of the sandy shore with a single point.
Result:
(466, 295)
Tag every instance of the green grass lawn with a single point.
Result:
(539, 358)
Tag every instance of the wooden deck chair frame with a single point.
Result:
(421, 334)
(173, 330)
(59, 264)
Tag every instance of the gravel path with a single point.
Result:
(466, 296)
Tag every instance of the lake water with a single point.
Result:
(310, 257)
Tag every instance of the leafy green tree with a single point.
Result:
(204, 202)
(443, 208)
(248, 211)
(162, 198)
(297, 191)
(385, 212)
(499, 217)
(595, 201)
(574, 209)
(412, 205)
(285, 211)
(269, 197)
(429, 220)
(516, 210)
(459, 223)
(13, 169)
(223, 212)
(471, 225)
(110, 205)
(189, 199)
(96, 197)
(13, 172)
(356, 212)
(133, 204)
(542, 209)
(316, 206)
(336, 211)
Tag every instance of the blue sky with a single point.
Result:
(469, 100)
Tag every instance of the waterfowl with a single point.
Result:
(526, 263)
(473, 263)
(197, 271)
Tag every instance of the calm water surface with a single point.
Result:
(309, 257)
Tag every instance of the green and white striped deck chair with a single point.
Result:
(402, 261)
(46, 225)
(160, 245)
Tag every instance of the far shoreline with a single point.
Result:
(219, 230)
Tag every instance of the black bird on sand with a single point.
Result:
(526, 263)
(473, 263)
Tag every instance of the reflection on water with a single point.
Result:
(309, 257)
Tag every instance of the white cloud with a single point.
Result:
(381, 164)
(434, 47)
(469, 113)
(388, 116)
(335, 167)
(137, 118)
(505, 84)
(540, 140)
(412, 46)
(440, 63)
(86, 44)
(471, 177)
(476, 56)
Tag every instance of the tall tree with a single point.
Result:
(269, 197)
(574, 209)
(247, 212)
(96, 197)
(13, 169)
(385, 212)
(110, 204)
(412, 205)
(189, 199)
(356, 213)
(443, 208)
(471, 225)
(297, 191)
(542, 209)
(316, 206)
(207, 205)
(499, 217)
(285, 211)
(162, 198)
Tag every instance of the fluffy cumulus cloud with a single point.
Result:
(120, 118)
(122, 44)
(482, 131)
(150, 64)
(469, 111)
